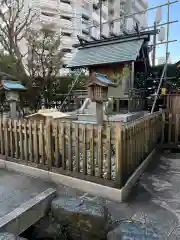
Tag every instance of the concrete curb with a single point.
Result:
(118, 195)
(28, 213)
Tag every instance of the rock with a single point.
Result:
(82, 219)
(115, 234)
(47, 228)
(134, 230)
(10, 236)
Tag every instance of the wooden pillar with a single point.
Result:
(117, 105)
(132, 75)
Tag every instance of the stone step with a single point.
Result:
(28, 213)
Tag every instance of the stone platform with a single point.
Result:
(23, 201)
(121, 117)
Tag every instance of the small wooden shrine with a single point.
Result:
(121, 59)
(98, 85)
(11, 87)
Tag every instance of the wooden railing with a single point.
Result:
(171, 125)
(138, 139)
(106, 154)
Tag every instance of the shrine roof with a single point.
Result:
(115, 52)
(117, 49)
(12, 85)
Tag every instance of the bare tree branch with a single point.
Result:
(15, 22)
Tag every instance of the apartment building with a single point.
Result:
(82, 17)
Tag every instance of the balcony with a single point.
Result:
(85, 28)
(85, 13)
(66, 9)
(65, 24)
(105, 9)
(105, 30)
(67, 58)
(122, 9)
(50, 21)
(50, 6)
(66, 42)
(96, 17)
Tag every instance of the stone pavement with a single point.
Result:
(153, 210)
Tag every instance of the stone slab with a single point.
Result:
(27, 214)
(16, 189)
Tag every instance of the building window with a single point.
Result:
(85, 21)
(85, 17)
(66, 34)
(85, 32)
(95, 6)
(66, 50)
(66, 1)
(66, 17)
(48, 14)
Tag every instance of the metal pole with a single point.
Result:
(167, 41)
(75, 81)
(160, 83)
(154, 46)
(168, 18)
(100, 2)
(141, 12)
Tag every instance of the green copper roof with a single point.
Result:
(108, 53)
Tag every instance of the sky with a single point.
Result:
(174, 34)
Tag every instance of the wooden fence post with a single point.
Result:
(21, 140)
(56, 143)
(25, 145)
(35, 143)
(119, 156)
(163, 127)
(49, 144)
(62, 143)
(108, 146)
(76, 126)
(5, 123)
(42, 142)
(100, 152)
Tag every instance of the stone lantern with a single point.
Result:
(12, 89)
(98, 85)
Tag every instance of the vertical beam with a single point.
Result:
(132, 75)
(100, 15)
(168, 19)
(99, 113)
(154, 46)
(119, 159)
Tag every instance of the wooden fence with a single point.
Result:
(171, 125)
(106, 154)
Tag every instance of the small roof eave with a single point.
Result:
(12, 85)
(96, 65)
